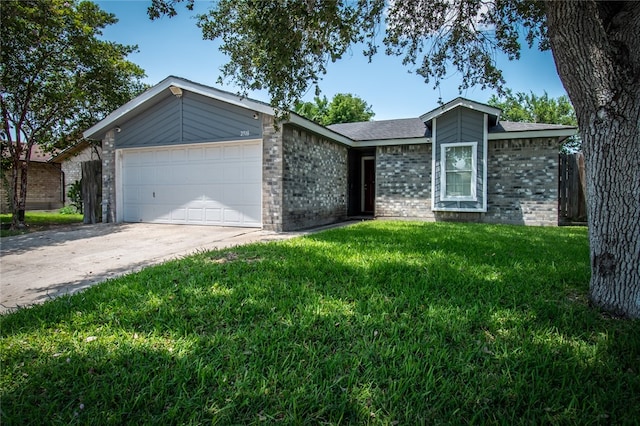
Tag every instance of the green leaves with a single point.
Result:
(284, 46)
(531, 108)
(57, 76)
(344, 108)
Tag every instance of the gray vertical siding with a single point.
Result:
(190, 119)
(460, 125)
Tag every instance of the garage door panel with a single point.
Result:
(252, 151)
(252, 174)
(214, 184)
(147, 174)
(131, 213)
(233, 152)
(241, 194)
(232, 216)
(195, 215)
(213, 215)
(232, 173)
(178, 155)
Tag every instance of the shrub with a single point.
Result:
(75, 195)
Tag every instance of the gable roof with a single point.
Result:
(71, 150)
(384, 132)
(38, 155)
(148, 98)
(415, 128)
(515, 126)
(467, 103)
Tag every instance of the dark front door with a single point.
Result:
(368, 185)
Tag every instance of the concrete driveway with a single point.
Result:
(42, 265)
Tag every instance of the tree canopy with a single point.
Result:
(285, 46)
(343, 108)
(57, 78)
(531, 108)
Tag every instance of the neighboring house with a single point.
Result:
(71, 159)
(186, 153)
(44, 184)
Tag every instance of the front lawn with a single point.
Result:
(390, 323)
(39, 221)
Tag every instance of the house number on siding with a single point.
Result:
(244, 133)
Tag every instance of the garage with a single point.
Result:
(202, 184)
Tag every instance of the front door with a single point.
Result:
(368, 184)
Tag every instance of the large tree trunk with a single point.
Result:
(597, 53)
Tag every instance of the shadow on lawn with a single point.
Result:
(437, 327)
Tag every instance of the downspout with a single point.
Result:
(62, 179)
(180, 118)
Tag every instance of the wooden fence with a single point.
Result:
(92, 191)
(572, 205)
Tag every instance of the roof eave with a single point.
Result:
(389, 142)
(96, 131)
(529, 134)
(459, 101)
(318, 129)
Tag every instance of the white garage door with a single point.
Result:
(205, 184)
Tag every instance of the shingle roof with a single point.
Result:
(512, 126)
(38, 155)
(404, 128)
(408, 128)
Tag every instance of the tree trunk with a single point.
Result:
(597, 52)
(19, 189)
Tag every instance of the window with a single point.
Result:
(458, 177)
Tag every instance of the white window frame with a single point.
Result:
(474, 171)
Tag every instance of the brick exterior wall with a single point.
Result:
(522, 183)
(403, 181)
(315, 175)
(109, 177)
(272, 165)
(72, 167)
(305, 181)
(44, 188)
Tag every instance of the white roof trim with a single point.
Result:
(210, 92)
(317, 128)
(531, 134)
(389, 142)
(459, 101)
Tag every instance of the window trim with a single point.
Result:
(474, 171)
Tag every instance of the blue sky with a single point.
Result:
(174, 46)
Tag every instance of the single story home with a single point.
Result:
(71, 159)
(45, 183)
(185, 153)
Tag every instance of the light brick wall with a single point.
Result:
(44, 188)
(315, 175)
(72, 167)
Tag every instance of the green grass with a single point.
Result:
(38, 221)
(388, 323)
